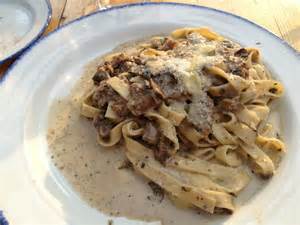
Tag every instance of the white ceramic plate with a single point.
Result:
(21, 23)
(33, 192)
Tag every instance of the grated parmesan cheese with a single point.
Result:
(186, 63)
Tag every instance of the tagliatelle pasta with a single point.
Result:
(191, 109)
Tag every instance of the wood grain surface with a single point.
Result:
(282, 17)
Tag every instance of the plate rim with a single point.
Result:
(29, 48)
(23, 49)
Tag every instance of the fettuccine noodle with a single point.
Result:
(191, 110)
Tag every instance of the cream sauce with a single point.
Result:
(93, 171)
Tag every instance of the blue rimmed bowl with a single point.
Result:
(21, 24)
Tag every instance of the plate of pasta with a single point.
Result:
(190, 118)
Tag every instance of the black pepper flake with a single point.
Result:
(91, 174)
(273, 90)
(125, 165)
(75, 175)
(143, 165)
(176, 163)
(157, 190)
(110, 222)
(86, 165)
(232, 194)
(188, 101)
(186, 189)
(52, 156)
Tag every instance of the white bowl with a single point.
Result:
(21, 23)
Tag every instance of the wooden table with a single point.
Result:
(282, 17)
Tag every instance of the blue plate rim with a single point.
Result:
(33, 44)
(29, 44)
